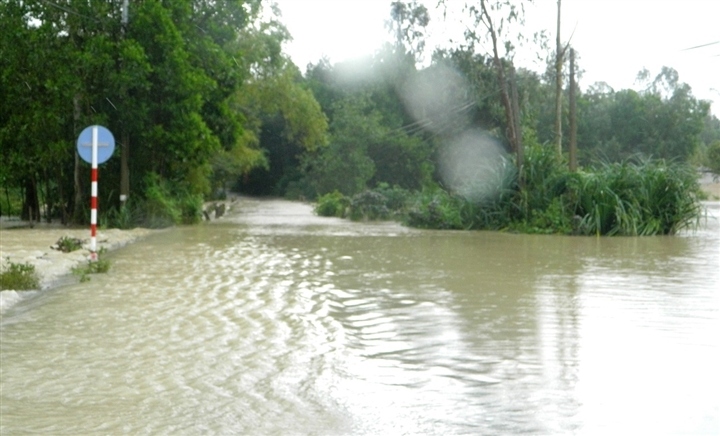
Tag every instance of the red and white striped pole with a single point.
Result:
(93, 196)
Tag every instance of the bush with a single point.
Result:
(160, 207)
(332, 204)
(67, 244)
(19, 277)
(369, 205)
(191, 209)
(396, 198)
(436, 209)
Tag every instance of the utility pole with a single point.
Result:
(559, 55)
(124, 134)
(573, 114)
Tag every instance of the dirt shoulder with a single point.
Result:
(22, 244)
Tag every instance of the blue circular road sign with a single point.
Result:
(105, 144)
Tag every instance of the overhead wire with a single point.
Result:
(69, 11)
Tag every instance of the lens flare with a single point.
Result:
(438, 100)
(476, 166)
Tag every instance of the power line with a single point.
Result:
(701, 46)
(69, 11)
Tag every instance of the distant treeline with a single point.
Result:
(201, 98)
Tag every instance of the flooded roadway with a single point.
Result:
(274, 321)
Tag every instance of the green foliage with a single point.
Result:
(18, 276)
(125, 217)
(191, 208)
(663, 122)
(165, 86)
(160, 207)
(332, 204)
(437, 209)
(67, 244)
(369, 205)
(10, 200)
(380, 203)
(99, 266)
(396, 198)
(649, 198)
(713, 158)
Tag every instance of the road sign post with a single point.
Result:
(95, 145)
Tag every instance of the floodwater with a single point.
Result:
(273, 321)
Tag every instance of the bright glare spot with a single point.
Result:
(475, 166)
(438, 99)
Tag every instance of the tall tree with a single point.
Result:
(408, 23)
(493, 16)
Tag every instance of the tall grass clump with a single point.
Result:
(630, 198)
(645, 198)
(160, 207)
(127, 216)
(18, 276)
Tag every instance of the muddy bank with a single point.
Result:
(22, 244)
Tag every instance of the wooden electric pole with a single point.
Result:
(573, 113)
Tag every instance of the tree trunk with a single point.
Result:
(48, 198)
(77, 203)
(31, 203)
(559, 54)
(515, 105)
(511, 132)
(573, 114)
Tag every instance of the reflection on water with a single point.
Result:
(276, 321)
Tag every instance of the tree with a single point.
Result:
(166, 81)
(494, 17)
(407, 23)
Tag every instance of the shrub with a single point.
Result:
(19, 277)
(191, 209)
(332, 204)
(369, 205)
(67, 244)
(396, 198)
(436, 209)
(160, 207)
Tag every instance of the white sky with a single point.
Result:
(615, 39)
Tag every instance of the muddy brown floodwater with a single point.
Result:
(274, 321)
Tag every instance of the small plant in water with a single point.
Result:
(67, 244)
(19, 277)
(92, 267)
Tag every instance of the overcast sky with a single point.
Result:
(615, 39)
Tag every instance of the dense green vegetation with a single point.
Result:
(201, 99)
(18, 276)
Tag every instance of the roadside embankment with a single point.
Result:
(20, 243)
